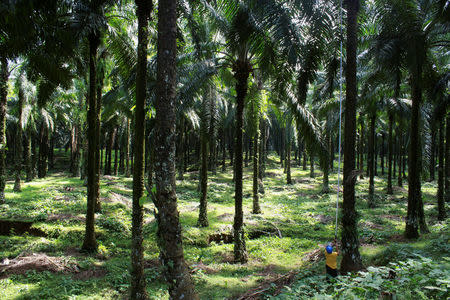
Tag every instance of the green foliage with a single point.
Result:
(298, 211)
(112, 224)
(418, 278)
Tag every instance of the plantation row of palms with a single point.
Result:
(214, 80)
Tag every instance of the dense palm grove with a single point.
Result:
(155, 90)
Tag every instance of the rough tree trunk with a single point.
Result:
(288, 163)
(89, 243)
(371, 161)
(440, 192)
(361, 152)
(241, 71)
(414, 186)
(169, 229)
(3, 97)
(256, 167)
(212, 132)
(127, 149)
(28, 166)
(399, 161)
(99, 77)
(143, 9)
(351, 259)
(43, 151)
(19, 141)
(203, 211)
(447, 159)
(390, 148)
(382, 153)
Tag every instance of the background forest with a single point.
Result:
(211, 149)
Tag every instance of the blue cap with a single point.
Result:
(329, 249)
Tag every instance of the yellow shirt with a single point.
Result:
(331, 259)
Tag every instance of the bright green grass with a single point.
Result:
(303, 215)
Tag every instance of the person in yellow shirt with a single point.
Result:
(331, 260)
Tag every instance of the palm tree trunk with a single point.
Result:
(432, 166)
(169, 230)
(241, 73)
(305, 159)
(28, 166)
(75, 151)
(351, 260)
(122, 154)
(83, 166)
(151, 164)
(311, 165)
(256, 167)
(138, 291)
(382, 153)
(116, 154)
(34, 156)
(99, 76)
(106, 169)
(331, 154)
(89, 243)
(261, 155)
(43, 151)
(51, 152)
(203, 211)
(288, 163)
(371, 161)
(212, 132)
(375, 154)
(180, 151)
(127, 150)
(399, 161)
(246, 143)
(361, 151)
(414, 186)
(111, 148)
(447, 160)
(326, 166)
(440, 192)
(394, 158)
(19, 142)
(224, 151)
(282, 148)
(3, 97)
(390, 148)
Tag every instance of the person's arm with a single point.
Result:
(336, 245)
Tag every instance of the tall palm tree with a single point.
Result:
(169, 229)
(418, 27)
(351, 259)
(4, 73)
(143, 10)
(247, 44)
(18, 144)
(89, 21)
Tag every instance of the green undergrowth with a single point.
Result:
(417, 270)
(295, 220)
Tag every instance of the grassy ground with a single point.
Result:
(296, 218)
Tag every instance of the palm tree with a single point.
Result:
(18, 143)
(245, 40)
(3, 97)
(417, 27)
(447, 158)
(351, 259)
(89, 20)
(254, 104)
(169, 229)
(143, 10)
